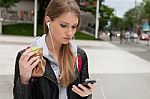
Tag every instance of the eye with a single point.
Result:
(74, 27)
(63, 25)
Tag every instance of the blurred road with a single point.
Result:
(139, 48)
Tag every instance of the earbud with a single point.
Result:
(48, 24)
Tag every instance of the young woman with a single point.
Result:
(61, 78)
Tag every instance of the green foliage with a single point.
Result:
(135, 15)
(7, 3)
(91, 1)
(90, 8)
(132, 18)
(117, 23)
(129, 17)
(147, 9)
(106, 13)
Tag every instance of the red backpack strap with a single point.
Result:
(79, 63)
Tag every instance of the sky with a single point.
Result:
(121, 6)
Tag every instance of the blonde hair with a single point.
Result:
(66, 57)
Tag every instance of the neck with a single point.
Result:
(53, 46)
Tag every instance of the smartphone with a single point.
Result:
(85, 83)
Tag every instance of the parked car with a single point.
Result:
(144, 36)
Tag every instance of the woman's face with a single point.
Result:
(64, 27)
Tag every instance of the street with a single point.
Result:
(140, 49)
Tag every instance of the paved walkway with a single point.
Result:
(105, 61)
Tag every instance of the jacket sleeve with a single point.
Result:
(20, 91)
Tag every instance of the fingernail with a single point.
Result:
(73, 89)
(89, 84)
(27, 48)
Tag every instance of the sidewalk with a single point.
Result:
(15, 39)
(104, 59)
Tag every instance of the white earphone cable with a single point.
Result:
(103, 94)
(52, 41)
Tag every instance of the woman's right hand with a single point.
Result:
(26, 64)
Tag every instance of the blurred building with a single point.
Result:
(22, 11)
(88, 20)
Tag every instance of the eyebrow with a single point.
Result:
(68, 23)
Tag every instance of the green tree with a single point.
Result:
(131, 18)
(135, 15)
(146, 8)
(7, 3)
(106, 13)
(117, 23)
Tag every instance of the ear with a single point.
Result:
(47, 20)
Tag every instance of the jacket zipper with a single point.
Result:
(51, 80)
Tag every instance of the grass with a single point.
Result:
(21, 29)
(27, 30)
(83, 36)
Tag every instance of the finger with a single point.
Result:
(86, 79)
(91, 87)
(25, 53)
(29, 55)
(77, 90)
(82, 87)
(35, 63)
(33, 59)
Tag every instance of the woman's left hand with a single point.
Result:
(82, 90)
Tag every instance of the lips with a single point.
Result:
(68, 38)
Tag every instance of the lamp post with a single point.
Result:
(1, 20)
(98, 4)
(97, 20)
(35, 18)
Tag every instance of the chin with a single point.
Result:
(65, 42)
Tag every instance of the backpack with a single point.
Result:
(79, 62)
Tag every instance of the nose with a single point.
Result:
(70, 32)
